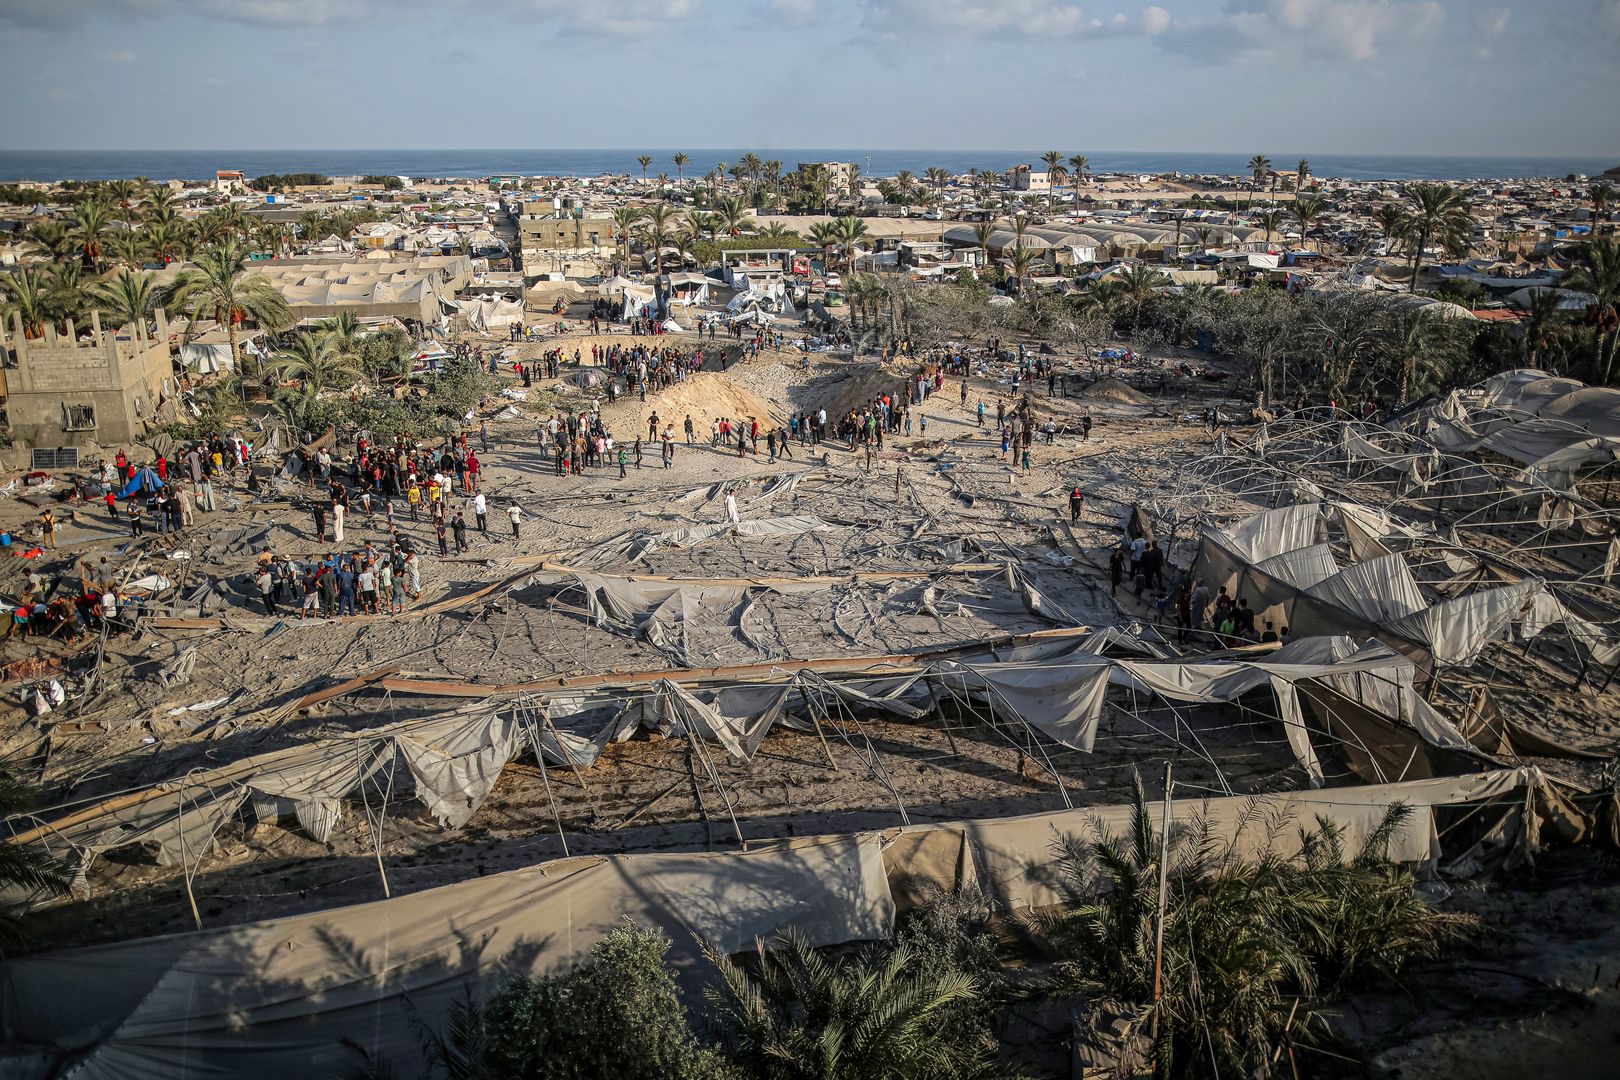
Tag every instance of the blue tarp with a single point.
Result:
(145, 479)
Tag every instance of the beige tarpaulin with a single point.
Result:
(274, 998)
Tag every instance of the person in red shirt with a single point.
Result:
(163, 468)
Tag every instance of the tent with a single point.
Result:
(145, 479)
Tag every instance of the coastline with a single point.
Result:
(45, 166)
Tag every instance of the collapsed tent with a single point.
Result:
(144, 480)
(1275, 561)
(284, 996)
(491, 312)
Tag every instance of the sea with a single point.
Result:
(202, 164)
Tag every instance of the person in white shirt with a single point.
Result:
(480, 509)
(516, 515)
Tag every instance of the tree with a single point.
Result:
(54, 240)
(982, 232)
(936, 178)
(123, 193)
(1392, 223)
(128, 298)
(220, 288)
(27, 296)
(1138, 283)
(1259, 165)
(1078, 164)
(1306, 212)
(802, 1016)
(1602, 196)
(644, 160)
(851, 231)
(1301, 171)
(1411, 337)
(779, 235)
(1436, 212)
(316, 359)
(1599, 275)
(625, 219)
(92, 222)
(1249, 940)
(658, 225)
(24, 869)
(1053, 159)
(127, 248)
(704, 224)
(733, 213)
(1268, 220)
(680, 160)
(824, 234)
(1019, 259)
(310, 223)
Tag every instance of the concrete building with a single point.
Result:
(555, 231)
(838, 173)
(1027, 178)
(61, 391)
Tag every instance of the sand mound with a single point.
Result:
(704, 396)
(1114, 390)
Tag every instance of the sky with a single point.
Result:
(1512, 77)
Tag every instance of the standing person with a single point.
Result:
(459, 528)
(688, 426)
(1085, 425)
(367, 582)
(267, 588)
(413, 574)
(47, 524)
(515, 513)
(438, 530)
(624, 455)
(1198, 604)
(413, 497)
(481, 512)
(318, 509)
(1116, 568)
(1077, 503)
(389, 590)
(345, 584)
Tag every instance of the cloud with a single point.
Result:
(612, 18)
(1295, 30)
(1494, 21)
(123, 56)
(797, 12)
(1007, 18)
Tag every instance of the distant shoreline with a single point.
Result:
(47, 166)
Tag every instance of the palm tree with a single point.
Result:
(159, 204)
(704, 224)
(310, 223)
(70, 297)
(54, 240)
(1410, 338)
(1438, 212)
(1392, 222)
(824, 234)
(166, 240)
(26, 295)
(853, 180)
(1301, 171)
(1599, 275)
(128, 249)
(1078, 164)
(1138, 284)
(982, 232)
(221, 289)
(733, 214)
(317, 360)
(1601, 195)
(1306, 212)
(92, 221)
(123, 193)
(659, 223)
(851, 231)
(680, 160)
(936, 177)
(625, 219)
(1543, 327)
(779, 235)
(345, 331)
(904, 181)
(24, 869)
(1053, 159)
(644, 160)
(805, 1016)
(1268, 220)
(1019, 258)
(1259, 165)
(129, 298)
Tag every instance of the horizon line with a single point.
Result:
(866, 149)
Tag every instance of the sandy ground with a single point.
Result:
(923, 492)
